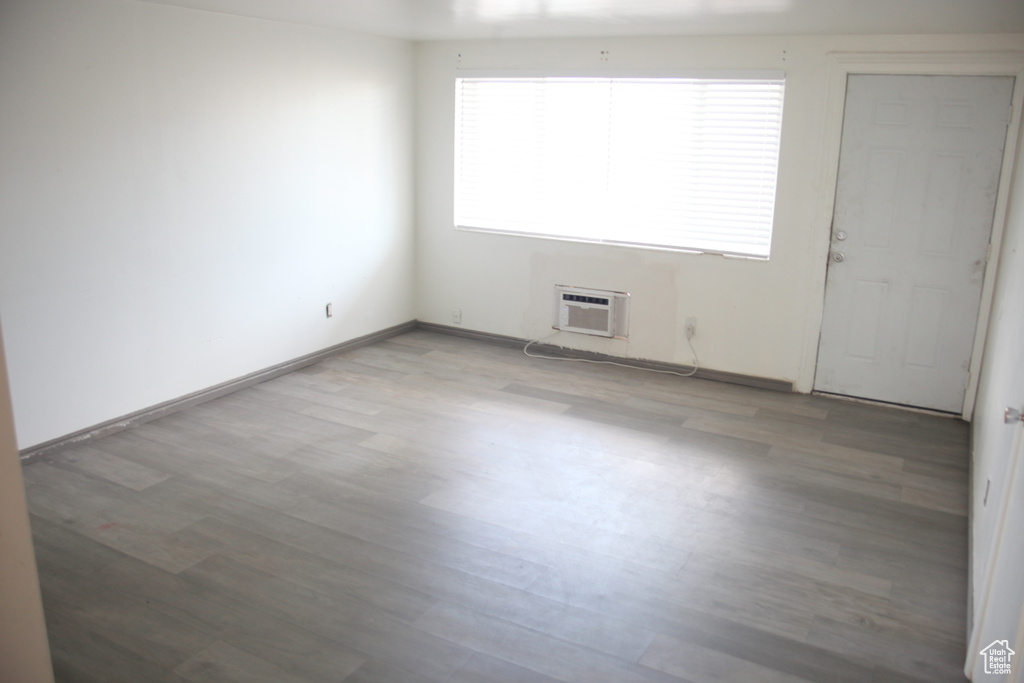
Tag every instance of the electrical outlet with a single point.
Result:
(691, 327)
(457, 316)
(329, 310)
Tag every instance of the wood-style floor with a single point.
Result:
(435, 509)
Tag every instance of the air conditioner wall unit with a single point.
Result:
(591, 311)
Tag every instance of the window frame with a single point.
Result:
(774, 77)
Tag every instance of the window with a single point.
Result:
(674, 163)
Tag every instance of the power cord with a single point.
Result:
(696, 362)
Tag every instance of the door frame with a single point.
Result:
(843, 64)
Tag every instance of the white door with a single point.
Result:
(915, 199)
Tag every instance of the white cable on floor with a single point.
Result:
(696, 363)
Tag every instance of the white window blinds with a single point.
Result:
(679, 163)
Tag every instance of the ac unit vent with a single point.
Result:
(591, 311)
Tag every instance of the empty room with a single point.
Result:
(506, 341)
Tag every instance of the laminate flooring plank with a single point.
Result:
(762, 430)
(479, 465)
(713, 447)
(884, 674)
(885, 558)
(932, 616)
(782, 417)
(636, 595)
(621, 639)
(936, 531)
(484, 407)
(122, 521)
(572, 436)
(165, 550)
(141, 633)
(841, 460)
(528, 609)
(703, 665)
(56, 545)
(72, 498)
(332, 478)
(289, 646)
(451, 408)
(398, 421)
(792, 473)
(377, 671)
(218, 480)
(576, 487)
(280, 431)
(525, 648)
(631, 419)
(222, 663)
(298, 651)
(448, 551)
(405, 364)
(167, 445)
(790, 598)
(792, 403)
(469, 464)
(674, 412)
(94, 462)
(498, 598)
(778, 528)
(268, 522)
(765, 607)
(483, 668)
(730, 494)
(318, 391)
(201, 607)
(734, 553)
(400, 345)
(719, 628)
(433, 509)
(613, 413)
(953, 472)
(347, 371)
(685, 405)
(739, 640)
(544, 385)
(850, 519)
(911, 444)
(80, 655)
(570, 524)
(275, 429)
(230, 462)
(873, 418)
(536, 458)
(482, 360)
(931, 662)
(348, 620)
(311, 571)
(919, 625)
(952, 499)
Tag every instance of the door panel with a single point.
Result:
(915, 198)
(868, 301)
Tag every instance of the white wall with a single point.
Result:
(755, 318)
(997, 524)
(181, 193)
(24, 650)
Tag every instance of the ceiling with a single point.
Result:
(463, 19)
